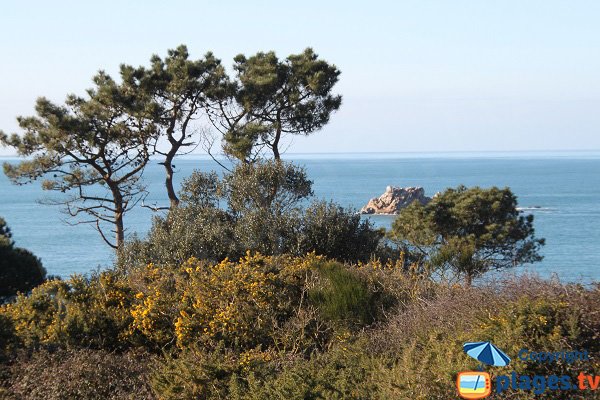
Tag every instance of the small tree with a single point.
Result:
(271, 98)
(179, 89)
(468, 231)
(256, 207)
(274, 186)
(265, 200)
(93, 149)
(20, 270)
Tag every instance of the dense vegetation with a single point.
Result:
(20, 270)
(279, 327)
(263, 207)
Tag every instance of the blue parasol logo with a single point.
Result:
(477, 385)
(486, 353)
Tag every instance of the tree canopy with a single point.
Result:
(468, 231)
(272, 97)
(92, 149)
(179, 89)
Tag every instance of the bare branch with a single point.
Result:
(104, 237)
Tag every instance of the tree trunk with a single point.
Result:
(118, 216)
(168, 163)
(276, 141)
(468, 280)
(119, 230)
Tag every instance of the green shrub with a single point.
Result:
(20, 270)
(285, 327)
(344, 372)
(342, 295)
(8, 339)
(337, 233)
(241, 304)
(271, 185)
(202, 232)
(200, 374)
(419, 351)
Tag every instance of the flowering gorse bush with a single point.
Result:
(237, 303)
(266, 302)
(82, 312)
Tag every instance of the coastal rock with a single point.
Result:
(395, 199)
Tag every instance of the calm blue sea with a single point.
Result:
(565, 187)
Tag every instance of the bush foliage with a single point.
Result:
(20, 270)
(285, 327)
(261, 207)
(92, 313)
(79, 374)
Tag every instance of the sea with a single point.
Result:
(561, 190)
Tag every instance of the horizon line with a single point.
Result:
(393, 152)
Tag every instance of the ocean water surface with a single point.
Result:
(561, 189)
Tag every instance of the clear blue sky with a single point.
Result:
(416, 75)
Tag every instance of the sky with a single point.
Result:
(417, 75)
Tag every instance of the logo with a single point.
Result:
(474, 385)
(478, 384)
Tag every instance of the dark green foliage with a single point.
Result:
(195, 375)
(273, 98)
(265, 200)
(91, 150)
(337, 233)
(241, 142)
(344, 372)
(8, 338)
(176, 90)
(274, 186)
(202, 190)
(198, 228)
(20, 270)
(343, 296)
(468, 231)
(5, 234)
(254, 208)
(257, 207)
(205, 233)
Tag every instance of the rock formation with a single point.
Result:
(395, 199)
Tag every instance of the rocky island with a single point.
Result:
(395, 199)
